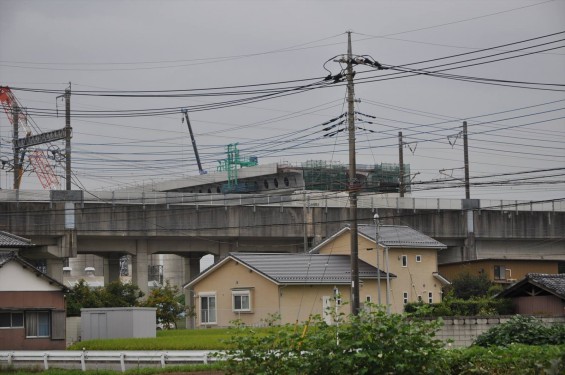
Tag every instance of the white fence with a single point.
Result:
(88, 359)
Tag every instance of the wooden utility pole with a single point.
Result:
(68, 132)
(353, 183)
(401, 166)
(466, 161)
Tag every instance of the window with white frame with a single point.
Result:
(208, 308)
(405, 297)
(11, 319)
(241, 300)
(430, 297)
(418, 258)
(37, 323)
(405, 261)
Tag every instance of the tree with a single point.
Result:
(118, 294)
(165, 299)
(466, 285)
(115, 294)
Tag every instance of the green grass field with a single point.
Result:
(177, 339)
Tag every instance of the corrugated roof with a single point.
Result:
(306, 268)
(8, 240)
(399, 236)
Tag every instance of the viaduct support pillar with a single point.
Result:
(111, 269)
(140, 265)
(191, 269)
(55, 268)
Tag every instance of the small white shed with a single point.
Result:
(118, 322)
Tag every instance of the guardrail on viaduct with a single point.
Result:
(298, 199)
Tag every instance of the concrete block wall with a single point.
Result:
(464, 330)
(73, 330)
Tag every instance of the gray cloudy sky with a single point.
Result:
(182, 45)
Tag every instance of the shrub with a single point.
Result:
(371, 343)
(484, 306)
(522, 330)
(466, 286)
(516, 359)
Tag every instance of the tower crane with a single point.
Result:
(37, 158)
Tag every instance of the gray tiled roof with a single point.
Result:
(8, 240)
(306, 268)
(554, 283)
(400, 236)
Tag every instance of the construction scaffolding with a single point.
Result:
(329, 176)
(325, 176)
(384, 178)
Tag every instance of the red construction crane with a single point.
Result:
(37, 158)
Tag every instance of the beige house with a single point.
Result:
(412, 257)
(253, 287)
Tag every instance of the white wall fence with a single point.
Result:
(95, 359)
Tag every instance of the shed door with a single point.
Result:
(98, 326)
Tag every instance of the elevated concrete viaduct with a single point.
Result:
(194, 226)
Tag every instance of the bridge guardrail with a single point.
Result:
(298, 199)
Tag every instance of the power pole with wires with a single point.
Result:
(466, 161)
(401, 166)
(353, 183)
(68, 132)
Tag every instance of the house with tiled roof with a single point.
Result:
(400, 250)
(32, 304)
(254, 286)
(538, 294)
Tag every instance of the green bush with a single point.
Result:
(483, 306)
(371, 343)
(515, 359)
(522, 330)
(466, 286)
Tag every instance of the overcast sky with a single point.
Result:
(185, 45)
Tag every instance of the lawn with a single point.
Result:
(176, 339)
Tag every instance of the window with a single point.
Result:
(405, 297)
(500, 272)
(266, 184)
(37, 324)
(430, 297)
(368, 299)
(286, 182)
(560, 267)
(241, 300)
(11, 319)
(405, 261)
(276, 183)
(418, 258)
(208, 309)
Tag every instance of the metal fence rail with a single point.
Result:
(96, 359)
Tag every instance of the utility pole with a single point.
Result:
(68, 131)
(466, 161)
(353, 184)
(17, 166)
(401, 166)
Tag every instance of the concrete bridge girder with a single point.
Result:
(190, 231)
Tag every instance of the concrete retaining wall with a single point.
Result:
(464, 330)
